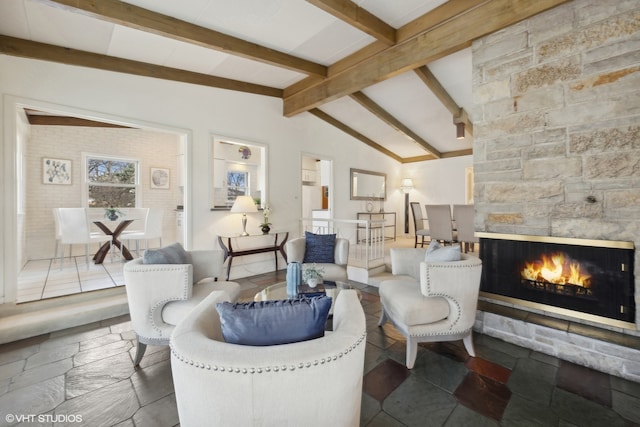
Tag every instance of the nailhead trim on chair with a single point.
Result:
(259, 370)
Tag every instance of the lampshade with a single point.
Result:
(244, 204)
(406, 185)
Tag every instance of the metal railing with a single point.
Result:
(366, 237)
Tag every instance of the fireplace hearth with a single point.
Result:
(586, 279)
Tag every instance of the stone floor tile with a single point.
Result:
(626, 405)
(440, 370)
(416, 403)
(628, 387)
(32, 400)
(369, 408)
(384, 420)
(153, 355)
(101, 373)
(41, 373)
(580, 411)
(533, 380)
(103, 407)
(463, 416)
(11, 369)
(521, 412)
(153, 383)
(488, 369)
(585, 382)
(384, 378)
(125, 423)
(485, 341)
(99, 341)
(17, 350)
(379, 339)
(49, 355)
(75, 335)
(483, 395)
(101, 352)
(161, 413)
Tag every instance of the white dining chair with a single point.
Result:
(152, 229)
(56, 222)
(440, 223)
(418, 221)
(75, 229)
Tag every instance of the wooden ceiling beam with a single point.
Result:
(121, 13)
(29, 49)
(48, 120)
(358, 17)
(446, 38)
(424, 23)
(352, 132)
(389, 119)
(441, 93)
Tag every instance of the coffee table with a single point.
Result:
(279, 291)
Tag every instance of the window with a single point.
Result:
(111, 182)
(237, 185)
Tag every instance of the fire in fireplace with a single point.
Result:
(588, 279)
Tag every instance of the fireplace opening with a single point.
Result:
(591, 279)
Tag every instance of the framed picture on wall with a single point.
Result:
(56, 171)
(160, 178)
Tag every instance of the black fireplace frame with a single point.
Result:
(614, 258)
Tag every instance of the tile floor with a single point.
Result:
(42, 279)
(87, 372)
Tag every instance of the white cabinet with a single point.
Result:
(219, 173)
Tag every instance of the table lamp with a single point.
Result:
(244, 205)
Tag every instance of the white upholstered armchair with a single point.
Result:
(336, 271)
(160, 295)
(431, 301)
(316, 382)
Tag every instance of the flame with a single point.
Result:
(556, 268)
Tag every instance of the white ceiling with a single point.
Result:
(295, 27)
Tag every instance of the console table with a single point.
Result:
(389, 219)
(230, 252)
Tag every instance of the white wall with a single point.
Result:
(200, 112)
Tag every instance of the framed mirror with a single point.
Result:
(238, 168)
(368, 185)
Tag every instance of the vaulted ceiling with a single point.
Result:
(396, 75)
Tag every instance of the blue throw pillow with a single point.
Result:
(274, 322)
(320, 248)
(172, 254)
(436, 253)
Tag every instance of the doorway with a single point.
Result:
(317, 191)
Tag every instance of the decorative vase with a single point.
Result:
(113, 216)
(265, 229)
(294, 275)
(312, 282)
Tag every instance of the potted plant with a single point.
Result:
(265, 226)
(112, 213)
(312, 274)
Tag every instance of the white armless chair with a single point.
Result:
(75, 228)
(336, 272)
(438, 305)
(309, 383)
(161, 295)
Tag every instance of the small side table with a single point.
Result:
(230, 252)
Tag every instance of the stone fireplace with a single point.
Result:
(557, 149)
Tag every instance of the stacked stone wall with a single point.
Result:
(557, 125)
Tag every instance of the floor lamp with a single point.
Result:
(406, 186)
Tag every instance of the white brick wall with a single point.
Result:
(153, 149)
